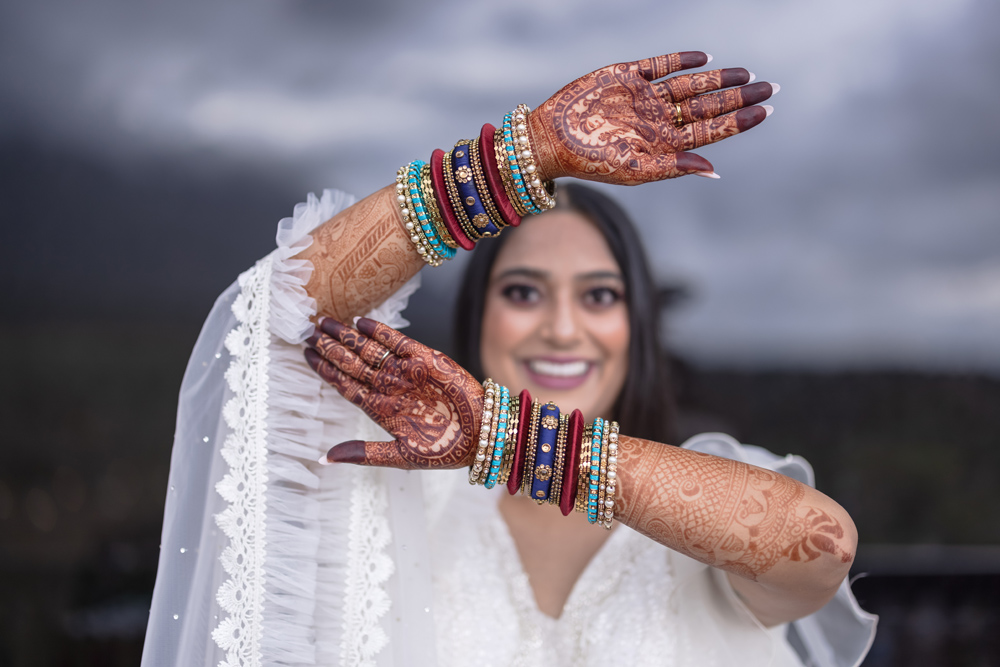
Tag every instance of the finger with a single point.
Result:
(340, 356)
(711, 130)
(370, 351)
(359, 452)
(711, 105)
(354, 391)
(679, 88)
(670, 165)
(400, 344)
(660, 66)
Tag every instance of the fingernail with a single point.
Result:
(710, 58)
(356, 321)
(691, 163)
(707, 174)
(352, 451)
(775, 88)
(753, 77)
(768, 109)
(323, 461)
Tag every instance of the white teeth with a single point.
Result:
(557, 369)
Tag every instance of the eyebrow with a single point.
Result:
(539, 274)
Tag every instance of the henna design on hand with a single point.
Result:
(360, 257)
(423, 398)
(740, 518)
(616, 124)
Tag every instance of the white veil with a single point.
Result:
(266, 556)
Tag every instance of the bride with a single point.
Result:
(719, 553)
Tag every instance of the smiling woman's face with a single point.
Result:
(555, 321)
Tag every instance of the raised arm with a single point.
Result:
(624, 124)
(785, 545)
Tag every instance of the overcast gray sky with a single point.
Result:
(859, 225)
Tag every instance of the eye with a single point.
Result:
(521, 294)
(602, 297)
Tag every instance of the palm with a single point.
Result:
(621, 124)
(430, 404)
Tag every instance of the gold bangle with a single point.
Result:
(508, 181)
(513, 423)
(456, 200)
(479, 180)
(491, 447)
(489, 391)
(555, 493)
(531, 444)
(612, 482)
(584, 473)
(433, 212)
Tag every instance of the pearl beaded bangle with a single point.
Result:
(500, 441)
(485, 423)
(410, 222)
(612, 478)
(540, 197)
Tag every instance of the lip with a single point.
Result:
(557, 382)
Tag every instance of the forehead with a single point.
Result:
(562, 243)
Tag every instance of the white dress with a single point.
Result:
(268, 558)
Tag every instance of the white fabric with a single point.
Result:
(268, 558)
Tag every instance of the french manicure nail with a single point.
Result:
(323, 461)
(707, 174)
(753, 77)
(356, 321)
(775, 88)
(768, 109)
(710, 58)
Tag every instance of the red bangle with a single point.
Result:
(441, 194)
(523, 417)
(571, 473)
(493, 178)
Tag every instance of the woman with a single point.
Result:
(335, 566)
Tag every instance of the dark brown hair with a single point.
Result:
(645, 407)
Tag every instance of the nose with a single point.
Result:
(561, 327)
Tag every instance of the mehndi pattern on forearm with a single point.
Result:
(741, 518)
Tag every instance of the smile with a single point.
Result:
(558, 375)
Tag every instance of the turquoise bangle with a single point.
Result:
(515, 170)
(595, 469)
(501, 443)
(413, 181)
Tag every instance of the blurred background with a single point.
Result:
(839, 286)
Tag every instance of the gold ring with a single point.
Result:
(381, 361)
(680, 118)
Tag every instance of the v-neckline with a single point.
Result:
(512, 557)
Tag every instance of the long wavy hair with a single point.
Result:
(645, 408)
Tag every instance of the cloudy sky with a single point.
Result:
(858, 226)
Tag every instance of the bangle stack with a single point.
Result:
(472, 192)
(543, 453)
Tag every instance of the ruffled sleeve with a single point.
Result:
(839, 634)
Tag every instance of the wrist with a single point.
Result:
(547, 166)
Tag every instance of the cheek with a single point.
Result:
(504, 328)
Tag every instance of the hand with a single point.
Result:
(620, 124)
(423, 398)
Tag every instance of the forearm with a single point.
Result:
(754, 523)
(360, 257)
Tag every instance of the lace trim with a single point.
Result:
(368, 569)
(243, 487)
